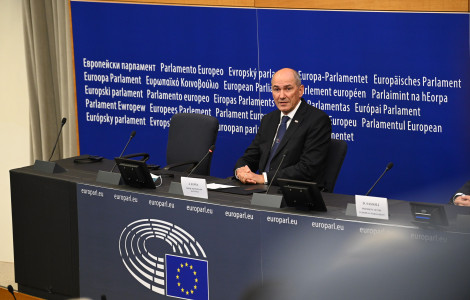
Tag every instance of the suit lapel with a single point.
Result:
(272, 128)
(270, 134)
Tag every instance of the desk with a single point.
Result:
(76, 237)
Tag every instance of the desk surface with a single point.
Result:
(399, 211)
(249, 251)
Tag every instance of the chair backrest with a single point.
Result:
(189, 138)
(334, 161)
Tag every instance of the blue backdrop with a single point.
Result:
(363, 68)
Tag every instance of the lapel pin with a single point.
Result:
(296, 121)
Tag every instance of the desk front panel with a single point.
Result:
(135, 245)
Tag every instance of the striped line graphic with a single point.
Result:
(149, 268)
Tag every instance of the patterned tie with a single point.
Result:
(280, 133)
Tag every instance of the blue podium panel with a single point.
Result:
(134, 245)
(394, 84)
(136, 65)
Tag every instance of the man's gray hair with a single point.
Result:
(297, 79)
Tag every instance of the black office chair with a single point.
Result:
(189, 138)
(334, 161)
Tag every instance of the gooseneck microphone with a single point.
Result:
(64, 120)
(389, 166)
(210, 151)
(130, 138)
(10, 289)
(277, 170)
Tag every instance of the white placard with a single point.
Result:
(194, 187)
(372, 207)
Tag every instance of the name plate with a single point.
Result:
(372, 207)
(194, 187)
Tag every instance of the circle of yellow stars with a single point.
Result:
(196, 280)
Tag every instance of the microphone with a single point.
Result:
(130, 138)
(275, 173)
(64, 120)
(211, 149)
(10, 289)
(389, 166)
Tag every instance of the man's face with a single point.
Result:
(286, 92)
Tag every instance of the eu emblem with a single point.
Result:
(186, 278)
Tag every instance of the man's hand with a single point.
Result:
(241, 173)
(253, 178)
(245, 175)
(463, 200)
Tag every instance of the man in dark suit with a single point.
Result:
(300, 140)
(462, 197)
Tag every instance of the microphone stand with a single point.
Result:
(211, 149)
(389, 166)
(48, 166)
(270, 200)
(125, 147)
(111, 177)
(351, 208)
(176, 187)
(64, 120)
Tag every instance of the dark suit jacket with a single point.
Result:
(305, 144)
(465, 189)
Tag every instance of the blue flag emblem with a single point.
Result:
(186, 278)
